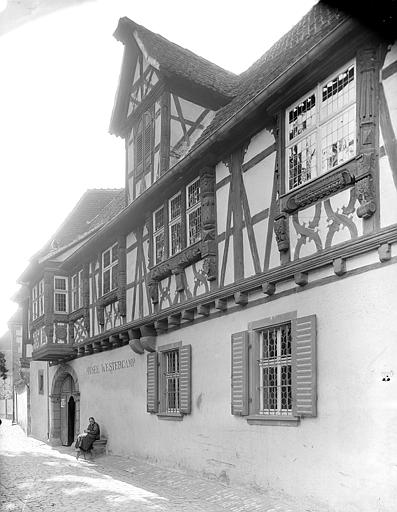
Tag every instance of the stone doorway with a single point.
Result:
(65, 406)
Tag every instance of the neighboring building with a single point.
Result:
(14, 389)
(247, 285)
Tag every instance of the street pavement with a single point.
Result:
(37, 477)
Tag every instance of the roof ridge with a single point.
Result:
(181, 47)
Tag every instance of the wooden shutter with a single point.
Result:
(240, 373)
(185, 379)
(152, 383)
(304, 367)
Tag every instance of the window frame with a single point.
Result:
(320, 124)
(162, 381)
(61, 292)
(111, 268)
(37, 298)
(175, 221)
(158, 233)
(192, 209)
(76, 290)
(157, 378)
(183, 219)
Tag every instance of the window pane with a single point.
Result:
(302, 161)
(106, 281)
(158, 219)
(60, 284)
(60, 302)
(115, 253)
(275, 377)
(159, 248)
(193, 194)
(339, 92)
(172, 381)
(175, 207)
(176, 238)
(338, 140)
(75, 300)
(194, 223)
(302, 117)
(114, 277)
(106, 258)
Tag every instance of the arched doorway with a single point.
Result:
(65, 406)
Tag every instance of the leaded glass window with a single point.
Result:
(175, 224)
(77, 286)
(321, 128)
(193, 212)
(158, 235)
(110, 269)
(60, 294)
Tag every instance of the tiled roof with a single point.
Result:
(313, 27)
(95, 207)
(177, 61)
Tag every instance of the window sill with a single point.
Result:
(322, 186)
(278, 421)
(180, 260)
(108, 298)
(170, 416)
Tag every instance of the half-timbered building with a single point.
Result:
(231, 311)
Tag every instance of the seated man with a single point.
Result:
(85, 441)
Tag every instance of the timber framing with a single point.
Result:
(236, 295)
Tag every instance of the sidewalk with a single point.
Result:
(36, 477)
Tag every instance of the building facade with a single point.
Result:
(231, 311)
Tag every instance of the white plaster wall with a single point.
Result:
(258, 182)
(40, 403)
(258, 143)
(344, 458)
(22, 409)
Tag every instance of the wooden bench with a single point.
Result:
(100, 447)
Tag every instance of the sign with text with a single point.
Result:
(111, 366)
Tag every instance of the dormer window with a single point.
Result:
(144, 144)
(110, 261)
(60, 294)
(321, 128)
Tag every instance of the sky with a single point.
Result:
(58, 79)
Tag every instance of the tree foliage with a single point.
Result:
(3, 366)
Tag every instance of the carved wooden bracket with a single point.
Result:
(174, 265)
(208, 221)
(281, 232)
(100, 311)
(366, 197)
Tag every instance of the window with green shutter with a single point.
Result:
(169, 381)
(274, 370)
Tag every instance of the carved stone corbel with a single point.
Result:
(281, 232)
(366, 196)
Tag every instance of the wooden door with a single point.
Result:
(64, 418)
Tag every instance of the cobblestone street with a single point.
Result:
(36, 477)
